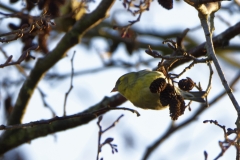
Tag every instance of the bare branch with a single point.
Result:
(43, 95)
(174, 128)
(79, 115)
(70, 39)
(227, 143)
(71, 86)
(24, 55)
(108, 140)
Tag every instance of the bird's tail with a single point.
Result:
(197, 96)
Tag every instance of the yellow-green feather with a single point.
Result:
(135, 87)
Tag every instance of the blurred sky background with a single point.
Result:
(132, 134)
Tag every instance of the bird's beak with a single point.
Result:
(114, 89)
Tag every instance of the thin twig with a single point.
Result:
(35, 22)
(99, 136)
(174, 128)
(25, 54)
(71, 86)
(227, 143)
(209, 82)
(211, 52)
(108, 140)
(19, 67)
(141, 7)
(114, 123)
(43, 96)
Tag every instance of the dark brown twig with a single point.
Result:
(108, 140)
(141, 7)
(71, 86)
(227, 143)
(35, 22)
(176, 58)
(43, 95)
(25, 54)
(174, 128)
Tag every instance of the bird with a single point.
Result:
(134, 86)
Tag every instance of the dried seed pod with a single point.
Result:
(167, 94)
(158, 85)
(182, 103)
(175, 108)
(186, 84)
(167, 4)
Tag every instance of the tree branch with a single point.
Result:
(15, 137)
(172, 129)
(70, 39)
(218, 41)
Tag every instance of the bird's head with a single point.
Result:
(121, 83)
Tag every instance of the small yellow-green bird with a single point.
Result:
(134, 86)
